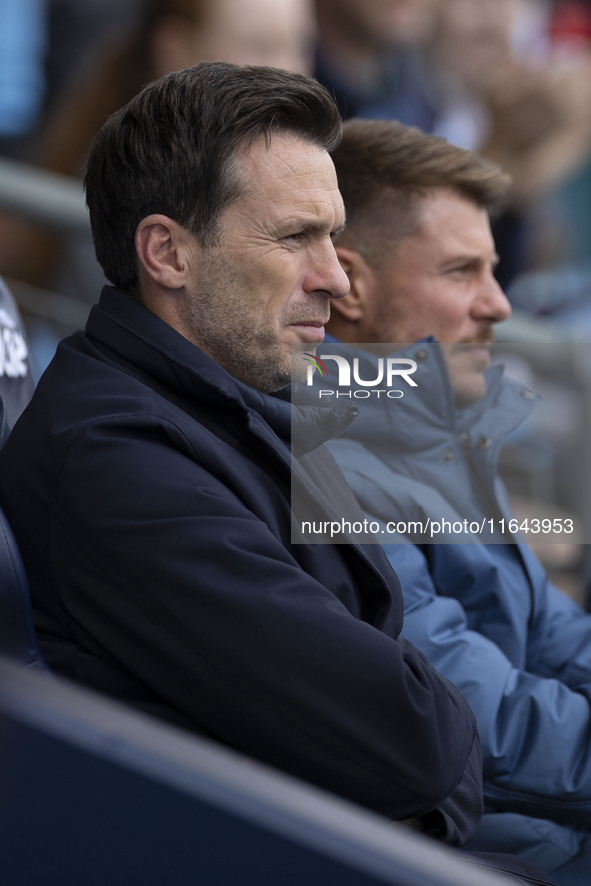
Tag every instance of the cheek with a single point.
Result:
(262, 287)
(285, 284)
(274, 302)
(450, 317)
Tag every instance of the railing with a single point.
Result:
(41, 196)
(58, 202)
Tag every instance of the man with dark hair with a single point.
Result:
(420, 257)
(148, 483)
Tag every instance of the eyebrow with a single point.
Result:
(318, 226)
(470, 259)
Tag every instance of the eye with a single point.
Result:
(296, 237)
(464, 269)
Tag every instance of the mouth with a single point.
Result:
(472, 355)
(486, 336)
(310, 330)
(479, 344)
(470, 346)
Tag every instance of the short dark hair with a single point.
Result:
(383, 166)
(172, 148)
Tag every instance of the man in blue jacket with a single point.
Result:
(149, 481)
(420, 257)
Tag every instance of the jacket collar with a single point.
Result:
(428, 412)
(146, 345)
(137, 336)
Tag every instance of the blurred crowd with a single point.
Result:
(510, 78)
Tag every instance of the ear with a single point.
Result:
(353, 306)
(162, 247)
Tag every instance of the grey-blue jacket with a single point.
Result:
(485, 615)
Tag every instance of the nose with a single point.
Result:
(342, 284)
(491, 303)
(328, 277)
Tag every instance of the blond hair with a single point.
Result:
(384, 166)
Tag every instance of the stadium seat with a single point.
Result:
(18, 640)
(94, 793)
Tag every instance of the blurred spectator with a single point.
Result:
(514, 87)
(22, 74)
(172, 34)
(533, 118)
(44, 46)
(509, 78)
(368, 56)
(570, 25)
(77, 31)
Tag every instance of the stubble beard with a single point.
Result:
(222, 328)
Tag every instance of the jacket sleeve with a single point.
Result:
(560, 632)
(166, 574)
(534, 729)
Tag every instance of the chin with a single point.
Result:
(298, 364)
(468, 393)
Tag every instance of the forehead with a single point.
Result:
(289, 175)
(447, 220)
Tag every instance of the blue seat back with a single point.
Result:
(18, 640)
